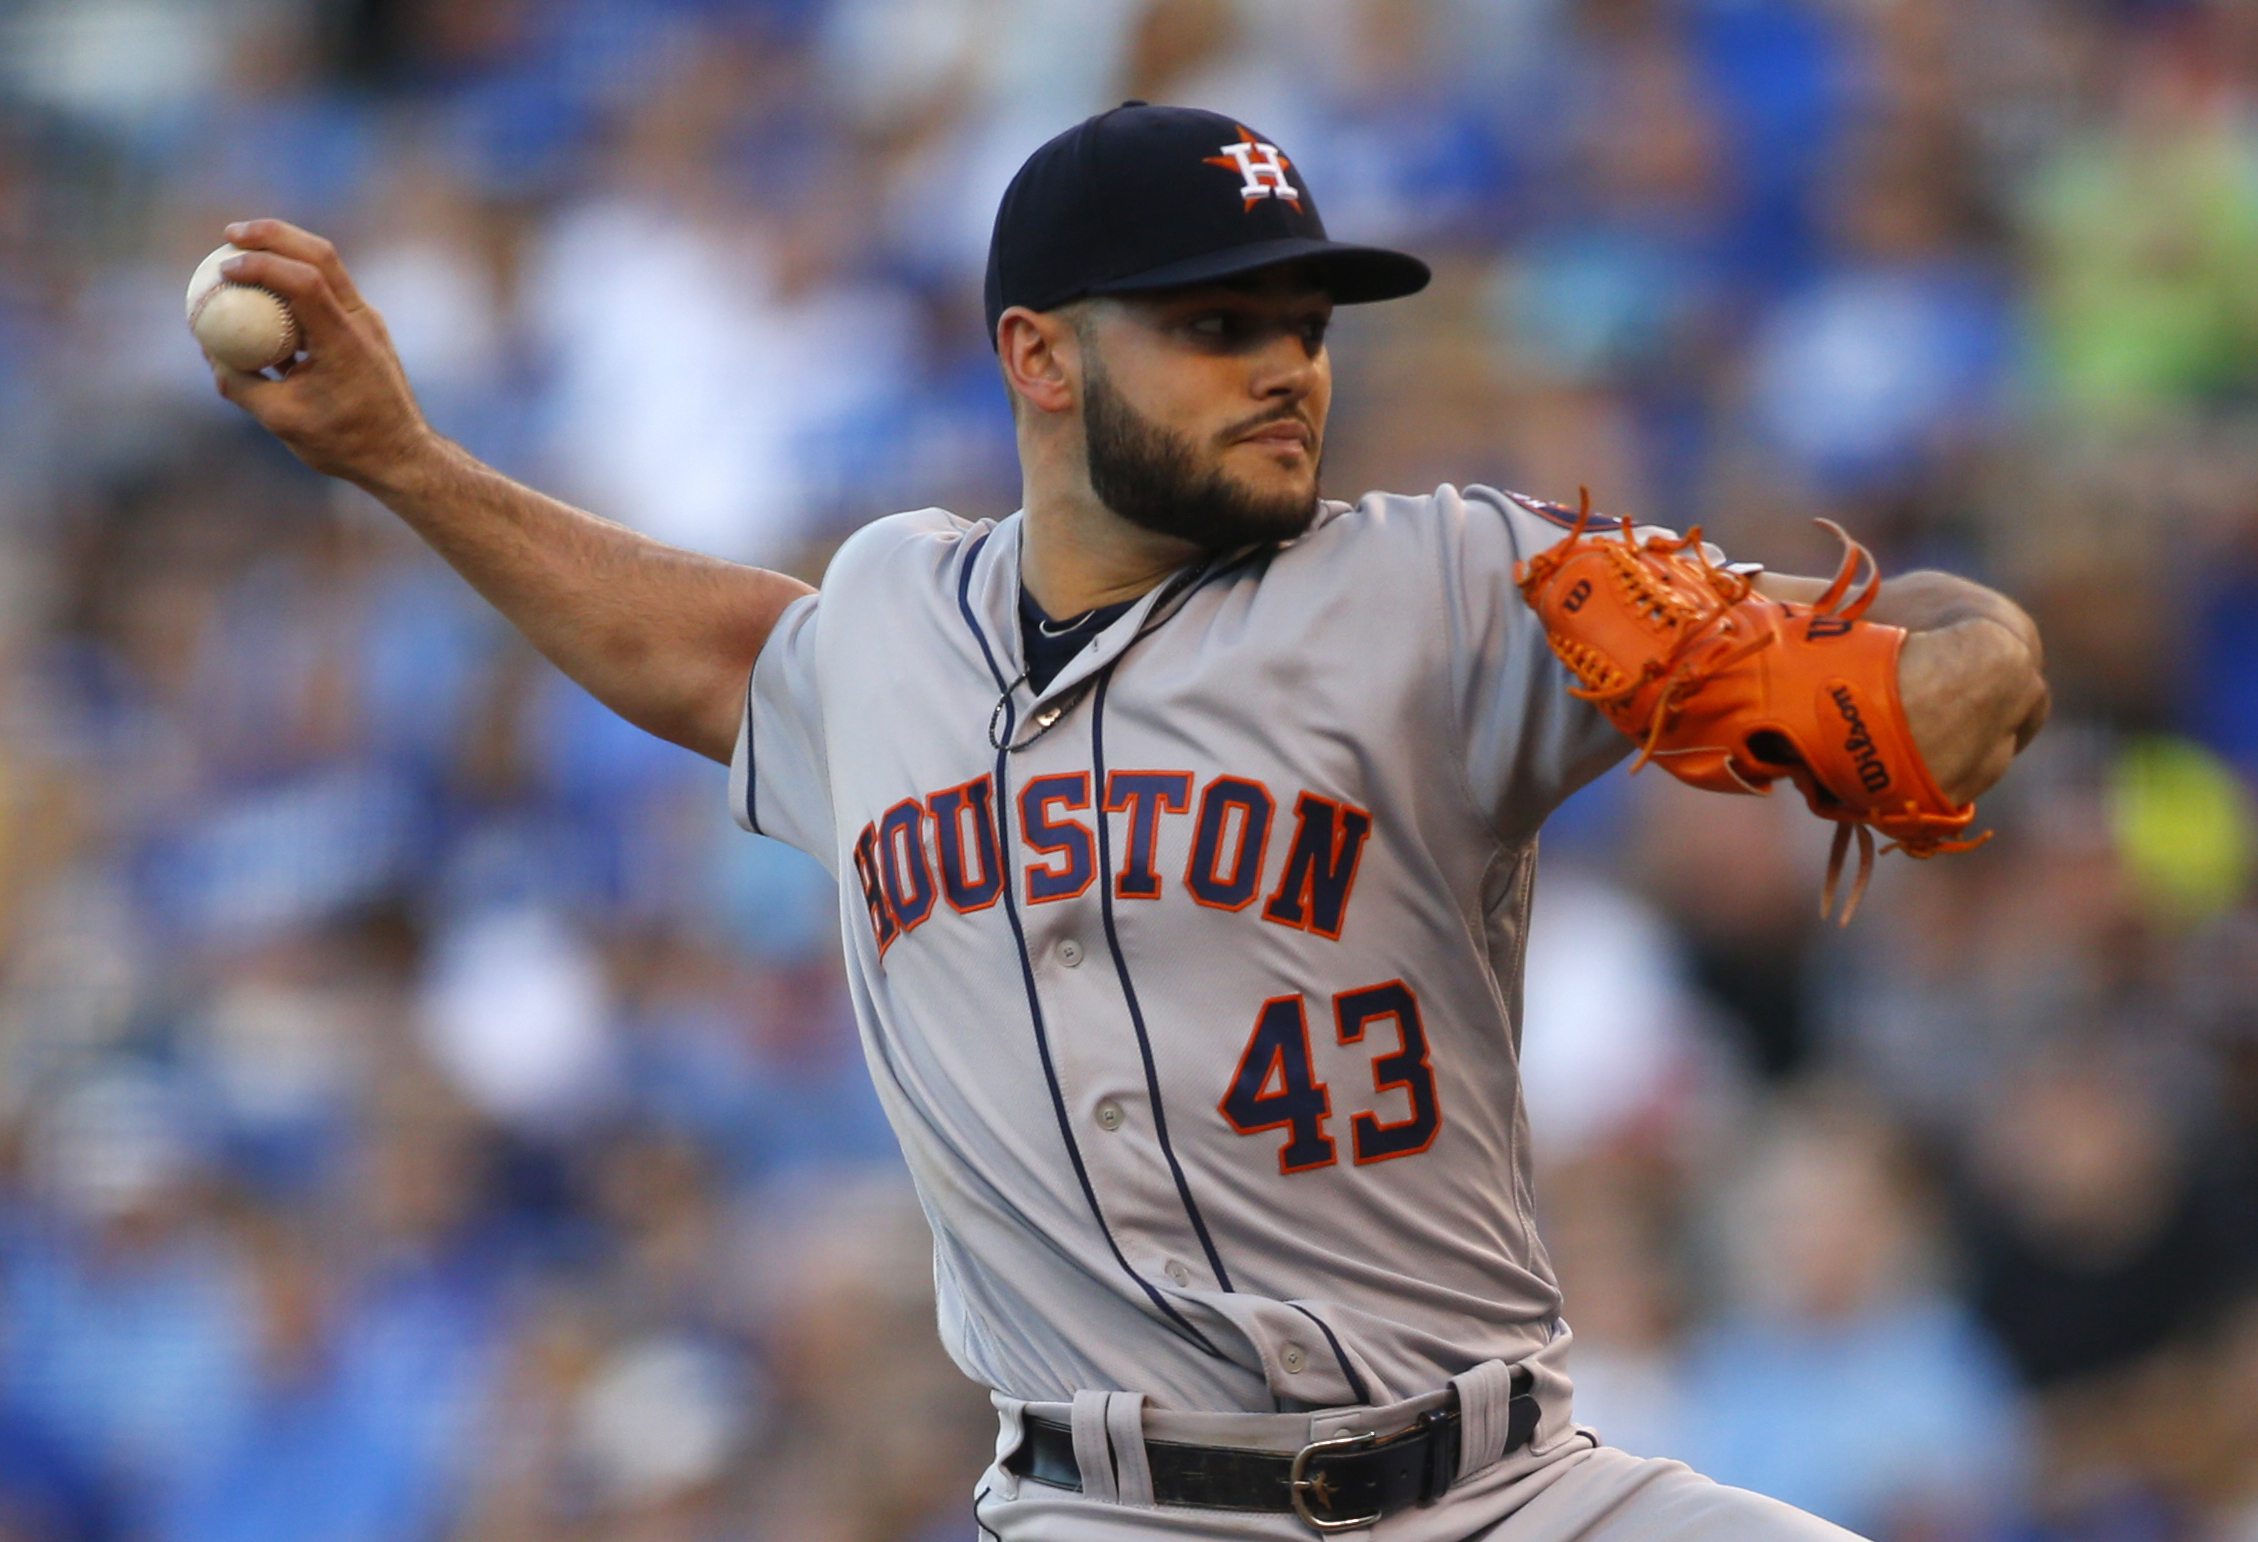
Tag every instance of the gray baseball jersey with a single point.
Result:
(1191, 985)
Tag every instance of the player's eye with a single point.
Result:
(1216, 324)
(1313, 331)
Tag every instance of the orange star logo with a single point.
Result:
(1262, 169)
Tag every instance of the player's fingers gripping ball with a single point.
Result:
(241, 325)
(1732, 691)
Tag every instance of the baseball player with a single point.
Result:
(1185, 826)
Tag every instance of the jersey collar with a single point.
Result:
(991, 603)
(993, 600)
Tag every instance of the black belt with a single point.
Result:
(1337, 1484)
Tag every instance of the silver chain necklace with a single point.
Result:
(1064, 628)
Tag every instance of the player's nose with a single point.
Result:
(1287, 369)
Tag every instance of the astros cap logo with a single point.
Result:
(1262, 166)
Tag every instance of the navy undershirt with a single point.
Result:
(1049, 646)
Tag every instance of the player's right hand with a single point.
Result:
(345, 408)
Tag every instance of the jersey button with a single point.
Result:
(1110, 1114)
(1293, 1359)
(1177, 1272)
(1070, 953)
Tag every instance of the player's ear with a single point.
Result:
(1040, 355)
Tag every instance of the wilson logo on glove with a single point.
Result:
(1872, 774)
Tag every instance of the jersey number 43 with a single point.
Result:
(1276, 1085)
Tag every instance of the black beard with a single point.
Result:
(1148, 474)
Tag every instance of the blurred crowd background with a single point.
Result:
(423, 1119)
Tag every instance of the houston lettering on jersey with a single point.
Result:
(947, 846)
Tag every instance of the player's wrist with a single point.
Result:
(408, 470)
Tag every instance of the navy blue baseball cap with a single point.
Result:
(1146, 197)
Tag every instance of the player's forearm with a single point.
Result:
(1929, 601)
(662, 636)
(1920, 601)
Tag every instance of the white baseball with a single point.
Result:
(240, 325)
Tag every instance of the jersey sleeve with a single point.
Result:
(1527, 742)
(779, 776)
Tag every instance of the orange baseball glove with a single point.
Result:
(1731, 691)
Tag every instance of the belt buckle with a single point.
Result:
(1299, 1486)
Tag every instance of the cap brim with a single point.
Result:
(1352, 275)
